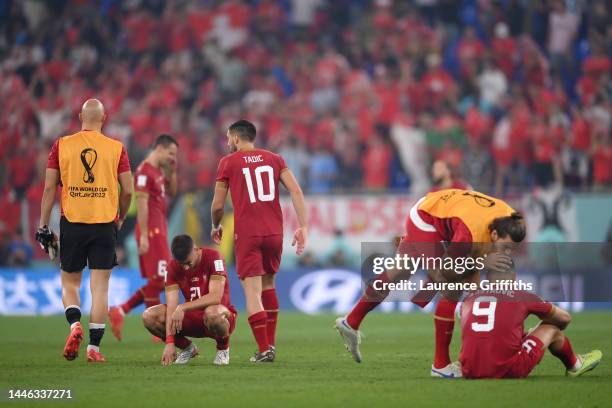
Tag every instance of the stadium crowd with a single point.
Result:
(355, 94)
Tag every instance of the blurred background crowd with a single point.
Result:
(357, 95)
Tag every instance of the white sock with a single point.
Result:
(96, 348)
(97, 325)
(74, 324)
(121, 311)
(578, 364)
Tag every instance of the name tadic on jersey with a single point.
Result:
(253, 179)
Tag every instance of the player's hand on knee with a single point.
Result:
(169, 354)
(498, 262)
(143, 248)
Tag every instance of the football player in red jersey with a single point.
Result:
(252, 177)
(154, 178)
(494, 344)
(200, 275)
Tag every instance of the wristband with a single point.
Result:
(170, 339)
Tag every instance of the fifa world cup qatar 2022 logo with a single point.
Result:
(88, 157)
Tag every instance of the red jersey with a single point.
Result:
(492, 330)
(152, 181)
(193, 282)
(253, 178)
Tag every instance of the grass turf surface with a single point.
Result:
(312, 368)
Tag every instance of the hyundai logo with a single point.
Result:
(329, 289)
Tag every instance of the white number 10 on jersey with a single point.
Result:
(259, 172)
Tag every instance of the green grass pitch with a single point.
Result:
(312, 368)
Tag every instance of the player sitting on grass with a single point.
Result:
(200, 275)
(494, 344)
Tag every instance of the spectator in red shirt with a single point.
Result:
(438, 84)
(470, 52)
(376, 162)
(602, 159)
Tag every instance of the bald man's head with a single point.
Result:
(92, 113)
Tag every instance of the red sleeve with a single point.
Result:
(461, 241)
(171, 273)
(281, 163)
(461, 233)
(142, 181)
(53, 160)
(217, 265)
(535, 305)
(124, 162)
(222, 171)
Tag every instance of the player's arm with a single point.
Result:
(125, 196)
(299, 204)
(172, 300)
(216, 287)
(558, 317)
(142, 218)
(124, 172)
(48, 199)
(216, 210)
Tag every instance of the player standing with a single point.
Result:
(90, 167)
(252, 176)
(154, 174)
(494, 345)
(452, 216)
(200, 275)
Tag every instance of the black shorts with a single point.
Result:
(87, 244)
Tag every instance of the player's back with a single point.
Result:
(253, 177)
(476, 210)
(492, 330)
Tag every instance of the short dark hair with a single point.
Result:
(181, 247)
(512, 225)
(244, 129)
(165, 141)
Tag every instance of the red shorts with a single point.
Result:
(193, 324)
(257, 256)
(524, 361)
(153, 264)
(421, 239)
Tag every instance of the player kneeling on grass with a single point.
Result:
(494, 344)
(200, 275)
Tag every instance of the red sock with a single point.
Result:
(565, 354)
(423, 297)
(133, 302)
(270, 304)
(151, 292)
(370, 299)
(444, 323)
(181, 341)
(258, 323)
(222, 342)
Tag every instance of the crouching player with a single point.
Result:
(494, 344)
(207, 312)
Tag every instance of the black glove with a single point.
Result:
(47, 240)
